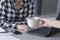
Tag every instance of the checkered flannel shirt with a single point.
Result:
(9, 17)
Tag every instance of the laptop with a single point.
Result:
(45, 31)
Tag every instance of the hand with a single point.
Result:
(43, 22)
(24, 27)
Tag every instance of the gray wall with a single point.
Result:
(49, 6)
(58, 7)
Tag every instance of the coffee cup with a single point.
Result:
(33, 22)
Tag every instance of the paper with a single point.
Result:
(2, 30)
(7, 37)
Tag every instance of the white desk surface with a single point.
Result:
(29, 37)
(33, 37)
(7, 36)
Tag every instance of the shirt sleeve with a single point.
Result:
(9, 26)
(58, 17)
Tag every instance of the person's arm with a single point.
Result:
(49, 23)
(55, 23)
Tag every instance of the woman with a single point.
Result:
(14, 12)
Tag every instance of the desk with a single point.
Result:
(7, 36)
(33, 37)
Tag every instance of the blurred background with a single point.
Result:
(49, 8)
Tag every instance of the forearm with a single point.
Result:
(55, 23)
(20, 26)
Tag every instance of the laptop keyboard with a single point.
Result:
(43, 31)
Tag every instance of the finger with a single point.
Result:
(27, 29)
(41, 22)
(45, 24)
(40, 25)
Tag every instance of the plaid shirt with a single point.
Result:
(9, 17)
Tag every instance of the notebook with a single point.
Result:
(7, 37)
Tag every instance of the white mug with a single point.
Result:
(33, 22)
